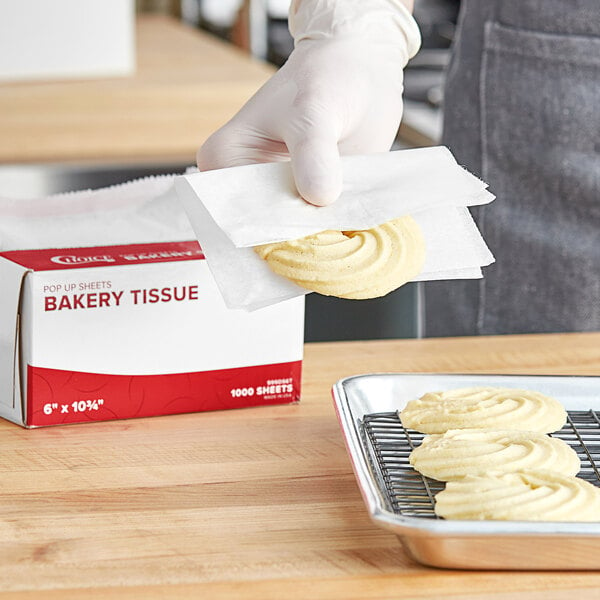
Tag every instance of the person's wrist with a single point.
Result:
(379, 21)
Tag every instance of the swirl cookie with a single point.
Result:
(351, 264)
(522, 496)
(484, 408)
(461, 452)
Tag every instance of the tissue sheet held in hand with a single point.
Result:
(351, 264)
(233, 209)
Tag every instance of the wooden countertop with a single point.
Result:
(258, 503)
(187, 84)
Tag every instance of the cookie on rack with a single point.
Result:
(484, 408)
(539, 495)
(461, 452)
(351, 264)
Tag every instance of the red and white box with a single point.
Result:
(116, 332)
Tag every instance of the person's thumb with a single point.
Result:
(316, 166)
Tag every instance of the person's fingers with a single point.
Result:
(215, 153)
(238, 144)
(316, 165)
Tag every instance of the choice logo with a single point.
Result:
(77, 260)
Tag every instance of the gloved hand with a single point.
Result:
(339, 92)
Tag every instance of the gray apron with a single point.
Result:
(522, 111)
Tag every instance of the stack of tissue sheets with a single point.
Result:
(232, 210)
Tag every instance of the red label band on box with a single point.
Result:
(54, 259)
(57, 397)
(116, 332)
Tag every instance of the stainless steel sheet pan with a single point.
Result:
(401, 500)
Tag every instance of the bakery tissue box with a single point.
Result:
(109, 311)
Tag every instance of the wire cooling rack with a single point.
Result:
(411, 494)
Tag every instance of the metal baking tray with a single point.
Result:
(401, 500)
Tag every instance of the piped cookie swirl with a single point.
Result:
(539, 495)
(351, 264)
(484, 408)
(461, 452)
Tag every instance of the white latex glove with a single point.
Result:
(339, 92)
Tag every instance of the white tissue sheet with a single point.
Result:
(257, 204)
(233, 209)
(142, 211)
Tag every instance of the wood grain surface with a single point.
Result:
(187, 84)
(255, 503)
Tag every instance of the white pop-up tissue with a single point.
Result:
(108, 310)
(137, 212)
(233, 209)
